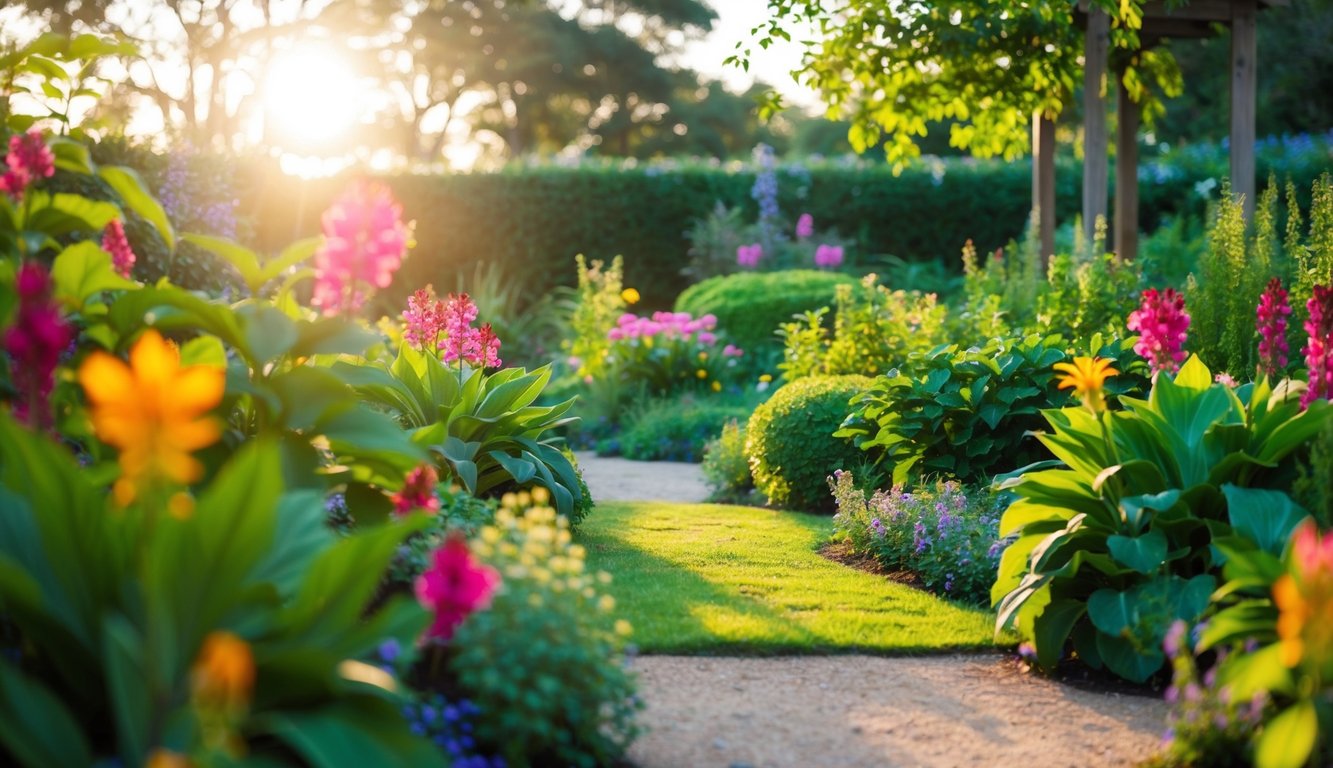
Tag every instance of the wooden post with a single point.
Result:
(1043, 182)
(1243, 52)
(1126, 173)
(1095, 164)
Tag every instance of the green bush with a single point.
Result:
(725, 466)
(752, 305)
(791, 445)
(675, 430)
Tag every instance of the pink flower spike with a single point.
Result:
(418, 492)
(34, 344)
(28, 159)
(453, 587)
(115, 243)
(490, 347)
(805, 226)
(423, 320)
(1271, 322)
(1162, 324)
(461, 340)
(364, 243)
(1319, 346)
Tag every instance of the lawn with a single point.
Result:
(707, 578)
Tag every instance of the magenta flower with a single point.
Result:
(748, 256)
(364, 242)
(28, 159)
(418, 491)
(1162, 324)
(1271, 319)
(1319, 345)
(423, 320)
(828, 256)
(805, 226)
(454, 587)
(115, 243)
(461, 340)
(34, 343)
(489, 347)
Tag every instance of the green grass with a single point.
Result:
(707, 578)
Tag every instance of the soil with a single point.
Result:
(867, 711)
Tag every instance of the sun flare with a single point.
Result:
(310, 94)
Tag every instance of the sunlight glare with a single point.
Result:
(309, 93)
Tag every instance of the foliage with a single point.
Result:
(460, 512)
(789, 440)
(1223, 296)
(752, 306)
(1311, 488)
(874, 329)
(673, 352)
(944, 535)
(676, 429)
(725, 465)
(597, 304)
(112, 610)
(1121, 540)
(544, 661)
(963, 413)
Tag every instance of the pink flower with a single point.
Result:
(706, 339)
(423, 320)
(749, 255)
(731, 350)
(1225, 379)
(34, 344)
(1271, 320)
(1162, 324)
(805, 226)
(418, 491)
(490, 347)
(461, 340)
(28, 158)
(454, 587)
(364, 242)
(1319, 345)
(115, 243)
(828, 256)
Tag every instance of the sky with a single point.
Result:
(773, 66)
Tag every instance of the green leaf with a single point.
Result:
(84, 269)
(1145, 553)
(1266, 517)
(72, 156)
(126, 677)
(1288, 739)
(268, 331)
(1052, 627)
(243, 259)
(1113, 612)
(133, 191)
(35, 728)
(204, 350)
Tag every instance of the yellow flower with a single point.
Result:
(153, 410)
(701, 373)
(1086, 376)
(717, 386)
(630, 296)
(224, 672)
(767, 377)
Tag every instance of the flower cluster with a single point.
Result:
(805, 226)
(28, 159)
(180, 193)
(946, 536)
(1271, 321)
(446, 324)
(1304, 599)
(418, 491)
(1162, 324)
(748, 256)
(765, 189)
(1206, 725)
(34, 344)
(115, 243)
(454, 586)
(364, 243)
(670, 325)
(423, 320)
(828, 256)
(1319, 345)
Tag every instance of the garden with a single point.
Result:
(651, 443)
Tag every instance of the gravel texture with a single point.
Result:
(615, 479)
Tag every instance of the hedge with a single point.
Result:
(750, 306)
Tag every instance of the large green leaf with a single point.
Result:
(365, 731)
(35, 728)
(127, 684)
(82, 270)
(1266, 517)
(133, 191)
(1288, 739)
(1145, 553)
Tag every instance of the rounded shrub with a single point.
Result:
(676, 430)
(791, 445)
(725, 466)
(751, 305)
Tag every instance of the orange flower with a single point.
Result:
(165, 758)
(224, 672)
(1304, 599)
(1086, 376)
(153, 410)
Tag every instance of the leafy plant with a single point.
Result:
(790, 441)
(725, 465)
(1124, 538)
(675, 429)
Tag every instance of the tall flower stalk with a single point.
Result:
(1162, 324)
(1319, 345)
(364, 243)
(1271, 322)
(34, 344)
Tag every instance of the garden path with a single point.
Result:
(856, 711)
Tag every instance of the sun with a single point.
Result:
(310, 94)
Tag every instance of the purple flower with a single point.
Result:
(805, 226)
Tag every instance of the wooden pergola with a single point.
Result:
(1160, 21)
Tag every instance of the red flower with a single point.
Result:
(1271, 319)
(34, 344)
(115, 243)
(455, 586)
(28, 158)
(418, 491)
(1319, 345)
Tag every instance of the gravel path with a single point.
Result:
(861, 711)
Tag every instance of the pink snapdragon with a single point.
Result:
(1271, 319)
(364, 243)
(423, 320)
(1162, 324)
(115, 243)
(418, 491)
(28, 159)
(34, 344)
(748, 256)
(828, 256)
(453, 587)
(1319, 345)
(669, 325)
(805, 226)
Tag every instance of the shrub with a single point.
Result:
(725, 465)
(675, 429)
(945, 535)
(751, 306)
(790, 441)
(544, 661)
(1126, 537)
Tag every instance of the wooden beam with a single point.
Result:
(1043, 183)
(1243, 52)
(1126, 173)
(1164, 28)
(1095, 163)
(1199, 10)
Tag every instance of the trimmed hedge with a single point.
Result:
(751, 305)
(791, 445)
